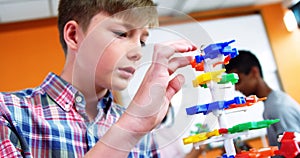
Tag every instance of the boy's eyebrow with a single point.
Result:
(131, 26)
(146, 33)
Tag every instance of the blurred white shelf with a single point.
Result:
(23, 10)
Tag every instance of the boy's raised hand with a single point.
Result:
(151, 102)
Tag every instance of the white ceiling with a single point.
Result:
(188, 6)
(20, 10)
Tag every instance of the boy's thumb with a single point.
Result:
(174, 86)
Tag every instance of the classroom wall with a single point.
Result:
(29, 50)
(286, 49)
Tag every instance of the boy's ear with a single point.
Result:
(255, 71)
(71, 34)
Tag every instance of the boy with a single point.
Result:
(72, 115)
(278, 105)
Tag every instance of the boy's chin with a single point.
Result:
(120, 87)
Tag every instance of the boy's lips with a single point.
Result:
(127, 72)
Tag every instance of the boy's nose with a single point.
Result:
(134, 54)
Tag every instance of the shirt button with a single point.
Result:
(78, 99)
(68, 106)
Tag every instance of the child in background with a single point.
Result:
(279, 105)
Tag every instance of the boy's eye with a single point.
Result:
(121, 34)
(143, 44)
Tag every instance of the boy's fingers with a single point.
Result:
(178, 62)
(181, 46)
(166, 50)
(174, 86)
(163, 53)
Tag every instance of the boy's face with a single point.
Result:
(246, 83)
(110, 50)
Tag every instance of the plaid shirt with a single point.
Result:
(50, 121)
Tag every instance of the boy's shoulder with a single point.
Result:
(30, 95)
(18, 97)
(20, 93)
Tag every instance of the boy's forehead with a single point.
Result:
(138, 17)
(130, 23)
(235, 71)
(134, 18)
(104, 20)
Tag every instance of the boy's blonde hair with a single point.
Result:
(83, 10)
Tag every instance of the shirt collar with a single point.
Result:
(105, 102)
(60, 91)
(65, 95)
